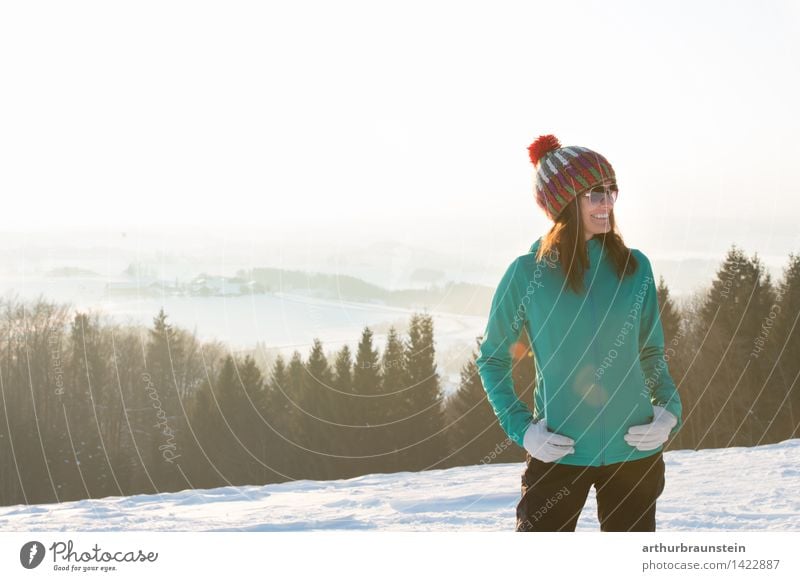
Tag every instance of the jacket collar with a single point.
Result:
(594, 244)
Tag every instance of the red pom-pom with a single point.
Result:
(542, 145)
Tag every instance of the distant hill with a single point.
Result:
(455, 297)
(69, 271)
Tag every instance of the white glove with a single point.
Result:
(651, 436)
(546, 446)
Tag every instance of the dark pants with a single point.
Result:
(553, 495)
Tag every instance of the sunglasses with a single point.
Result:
(599, 193)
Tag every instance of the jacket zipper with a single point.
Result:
(596, 359)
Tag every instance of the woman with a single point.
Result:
(604, 401)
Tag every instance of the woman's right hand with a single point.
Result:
(544, 445)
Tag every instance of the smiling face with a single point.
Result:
(596, 218)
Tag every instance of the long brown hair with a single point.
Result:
(568, 239)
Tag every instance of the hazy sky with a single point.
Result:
(353, 121)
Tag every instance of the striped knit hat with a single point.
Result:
(562, 173)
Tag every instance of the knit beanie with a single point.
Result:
(562, 173)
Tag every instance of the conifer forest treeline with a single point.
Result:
(93, 409)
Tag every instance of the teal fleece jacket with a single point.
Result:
(599, 355)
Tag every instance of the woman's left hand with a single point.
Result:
(651, 436)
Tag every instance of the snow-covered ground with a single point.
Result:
(731, 489)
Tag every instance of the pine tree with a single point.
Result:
(782, 345)
(320, 402)
(207, 424)
(251, 422)
(304, 461)
(388, 409)
(720, 372)
(669, 313)
(366, 385)
(423, 425)
(88, 421)
(224, 447)
(278, 413)
(674, 351)
(163, 422)
(474, 434)
(346, 414)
